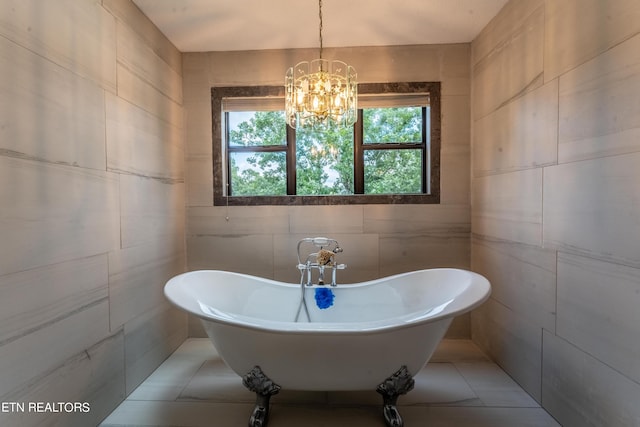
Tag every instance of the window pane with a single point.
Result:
(400, 124)
(392, 171)
(324, 161)
(255, 128)
(258, 174)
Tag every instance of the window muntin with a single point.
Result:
(328, 183)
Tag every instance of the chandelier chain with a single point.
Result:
(321, 93)
(320, 15)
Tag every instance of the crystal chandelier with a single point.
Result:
(321, 93)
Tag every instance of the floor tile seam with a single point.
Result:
(191, 378)
(200, 403)
(137, 399)
(466, 381)
(377, 404)
(465, 403)
(328, 406)
(516, 384)
(493, 365)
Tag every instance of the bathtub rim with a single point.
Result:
(479, 294)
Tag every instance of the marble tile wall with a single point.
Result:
(378, 240)
(92, 204)
(555, 191)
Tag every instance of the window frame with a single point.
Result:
(432, 167)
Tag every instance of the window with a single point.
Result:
(391, 155)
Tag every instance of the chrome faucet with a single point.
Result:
(321, 259)
(321, 255)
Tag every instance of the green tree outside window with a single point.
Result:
(325, 159)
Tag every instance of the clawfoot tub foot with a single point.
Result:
(397, 384)
(264, 388)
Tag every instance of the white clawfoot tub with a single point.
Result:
(371, 330)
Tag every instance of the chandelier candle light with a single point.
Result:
(321, 93)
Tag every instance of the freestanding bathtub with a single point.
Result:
(375, 334)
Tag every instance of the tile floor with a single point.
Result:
(460, 386)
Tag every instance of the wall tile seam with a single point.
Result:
(105, 147)
(592, 356)
(543, 368)
(495, 239)
(159, 238)
(562, 247)
(542, 223)
(194, 98)
(595, 358)
(508, 172)
(103, 84)
(561, 252)
(234, 235)
(495, 301)
(99, 84)
(544, 58)
(179, 103)
(501, 42)
(197, 204)
(60, 262)
(555, 285)
(218, 235)
(154, 341)
(599, 157)
(541, 361)
(153, 48)
(455, 150)
(557, 126)
(595, 54)
(514, 312)
(13, 154)
(24, 388)
(152, 84)
(169, 102)
(146, 319)
(535, 83)
(162, 179)
(422, 234)
(494, 172)
(181, 130)
(57, 319)
(480, 238)
(148, 42)
(523, 317)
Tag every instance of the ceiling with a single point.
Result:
(223, 25)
